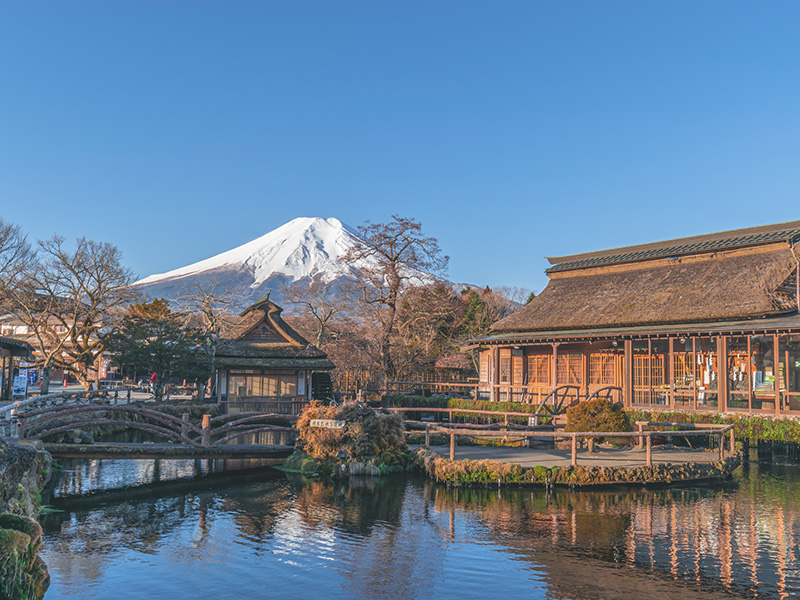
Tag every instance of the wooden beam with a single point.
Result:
(776, 363)
(750, 369)
(722, 373)
(628, 375)
(671, 342)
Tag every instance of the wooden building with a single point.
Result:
(11, 350)
(702, 323)
(261, 358)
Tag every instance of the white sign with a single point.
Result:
(327, 423)
(20, 385)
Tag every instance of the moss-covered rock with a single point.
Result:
(23, 575)
(24, 471)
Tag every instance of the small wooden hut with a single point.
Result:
(708, 322)
(11, 349)
(262, 363)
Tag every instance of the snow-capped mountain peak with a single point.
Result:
(303, 247)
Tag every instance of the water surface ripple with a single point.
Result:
(404, 537)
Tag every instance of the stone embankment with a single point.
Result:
(24, 471)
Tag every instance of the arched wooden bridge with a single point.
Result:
(213, 437)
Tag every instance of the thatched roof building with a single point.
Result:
(261, 358)
(619, 304)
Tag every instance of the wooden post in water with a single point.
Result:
(185, 425)
(452, 446)
(649, 451)
(206, 437)
(574, 451)
(427, 436)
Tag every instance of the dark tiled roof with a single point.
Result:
(713, 242)
(16, 346)
(315, 364)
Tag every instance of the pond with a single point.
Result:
(203, 529)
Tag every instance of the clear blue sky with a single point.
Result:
(512, 130)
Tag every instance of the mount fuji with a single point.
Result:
(297, 251)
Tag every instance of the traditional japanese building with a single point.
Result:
(261, 358)
(701, 323)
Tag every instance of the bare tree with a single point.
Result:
(429, 324)
(316, 301)
(211, 307)
(391, 255)
(69, 300)
(15, 256)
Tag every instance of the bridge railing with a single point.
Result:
(49, 421)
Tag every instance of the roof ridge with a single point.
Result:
(735, 238)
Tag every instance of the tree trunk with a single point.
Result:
(46, 380)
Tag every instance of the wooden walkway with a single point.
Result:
(167, 451)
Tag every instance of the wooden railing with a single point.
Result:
(644, 436)
(212, 432)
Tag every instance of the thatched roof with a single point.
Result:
(744, 283)
(260, 337)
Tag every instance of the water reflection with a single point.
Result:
(410, 538)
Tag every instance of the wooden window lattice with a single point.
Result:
(539, 370)
(601, 369)
(570, 369)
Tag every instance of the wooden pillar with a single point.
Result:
(671, 343)
(205, 440)
(586, 357)
(722, 373)
(493, 373)
(427, 436)
(574, 451)
(185, 425)
(650, 371)
(694, 374)
(649, 440)
(452, 446)
(750, 369)
(555, 365)
(776, 363)
(627, 375)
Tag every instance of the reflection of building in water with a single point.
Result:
(737, 541)
(382, 540)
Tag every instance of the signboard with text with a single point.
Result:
(327, 423)
(20, 385)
